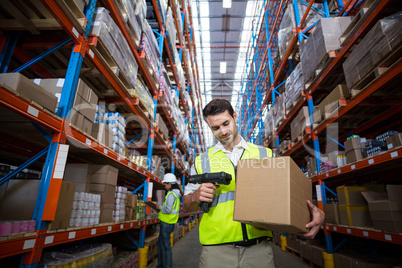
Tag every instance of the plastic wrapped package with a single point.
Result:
(379, 42)
(131, 16)
(269, 123)
(163, 5)
(187, 98)
(171, 28)
(288, 23)
(85, 255)
(141, 91)
(151, 48)
(108, 32)
(179, 22)
(126, 259)
(324, 38)
(279, 109)
(294, 86)
(165, 86)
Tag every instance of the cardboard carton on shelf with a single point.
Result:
(280, 186)
(332, 213)
(80, 174)
(19, 199)
(106, 214)
(102, 133)
(104, 174)
(351, 195)
(394, 141)
(28, 89)
(355, 216)
(386, 209)
(107, 192)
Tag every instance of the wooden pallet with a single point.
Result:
(358, 20)
(391, 60)
(306, 131)
(293, 251)
(324, 63)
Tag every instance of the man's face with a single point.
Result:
(224, 127)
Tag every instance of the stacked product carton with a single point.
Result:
(355, 149)
(324, 38)
(104, 27)
(131, 206)
(119, 211)
(269, 123)
(86, 209)
(379, 42)
(294, 86)
(84, 107)
(299, 123)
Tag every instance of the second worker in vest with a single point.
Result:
(168, 216)
(227, 243)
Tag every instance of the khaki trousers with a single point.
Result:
(229, 256)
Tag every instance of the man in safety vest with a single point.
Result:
(227, 243)
(168, 216)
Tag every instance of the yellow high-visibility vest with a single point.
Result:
(217, 226)
(174, 216)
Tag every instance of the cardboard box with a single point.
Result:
(80, 174)
(104, 174)
(102, 133)
(332, 213)
(280, 186)
(355, 143)
(18, 202)
(355, 216)
(107, 192)
(28, 89)
(87, 126)
(64, 207)
(55, 85)
(355, 155)
(106, 214)
(352, 195)
(394, 141)
(316, 255)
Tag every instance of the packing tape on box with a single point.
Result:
(349, 213)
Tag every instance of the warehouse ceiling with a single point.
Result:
(224, 35)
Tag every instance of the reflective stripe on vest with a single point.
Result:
(174, 215)
(217, 226)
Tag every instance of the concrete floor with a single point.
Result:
(187, 252)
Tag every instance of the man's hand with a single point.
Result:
(205, 193)
(315, 224)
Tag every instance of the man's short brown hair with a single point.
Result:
(217, 106)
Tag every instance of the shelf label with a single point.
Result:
(365, 233)
(327, 227)
(75, 32)
(339, 171)
(394, 154)
(88, 142)
(388, 237)
(71, 235)
(131, 224)
(109, 228)
(318, 190)
(129, 164)
(121, 226)
(335, 229)
(327, 175)
(33, 111)
(49, 240)
(371, 161)
(28, 244)
(105, 151)
(91, 53)
(348, 231)
(93, 231)
(118, 158)
(352, 166)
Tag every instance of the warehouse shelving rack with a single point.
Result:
(32, 246)
(252, 114)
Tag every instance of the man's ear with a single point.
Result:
(235, 116)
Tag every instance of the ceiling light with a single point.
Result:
(227, 3)
(222, 67)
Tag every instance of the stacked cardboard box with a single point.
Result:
(85, 101)
(355, 149)
(353, 208)
(279, 110)
(269, 123)
(103, 134)
(26, 88)
(117, 124)
(162, 126)
(332, 213)
(131, 206)
(104, 27)
(386, 209)
(103, 182)
(324, 38)
(384, 38)
(18, 198)
(394, 141)
(311, 166)
(293, 87)
(288, 23)
(330, 103)
(299, 123)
